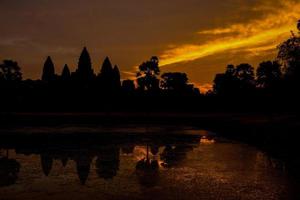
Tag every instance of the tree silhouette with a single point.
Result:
(230, 70)
(147, 75)
(66, 75)
(289, 56)
(177, 82)
(268, 74)
(235, 81)
(245, 74)
(226, 83)
(84, 71)
(10, 71)
(48, 70)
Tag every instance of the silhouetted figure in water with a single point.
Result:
(66, 74)
(46, 162)
(10, 71)
(48, 70)
(108, 162)
(84, 72)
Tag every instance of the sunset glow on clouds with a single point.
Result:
(258, 35)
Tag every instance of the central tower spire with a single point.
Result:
(84, 71)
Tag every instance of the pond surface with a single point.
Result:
(137, 163)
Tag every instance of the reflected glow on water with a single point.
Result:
(189, 166)
(206, 140)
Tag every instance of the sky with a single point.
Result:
(198, 37)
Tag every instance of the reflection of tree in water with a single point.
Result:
(9, 169)
(83, 166)
(46, 162)
(147, 171)
(172, 156)
(108, 162)
(108, 158)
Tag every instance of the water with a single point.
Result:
(137, 163)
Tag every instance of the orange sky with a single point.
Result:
(193, 36)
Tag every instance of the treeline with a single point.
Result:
(280, 77)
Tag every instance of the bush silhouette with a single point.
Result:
(268, 74)
(10, 71)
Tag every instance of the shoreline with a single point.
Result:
(274, 133)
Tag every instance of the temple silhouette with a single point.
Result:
(108, 79)
(275, 83)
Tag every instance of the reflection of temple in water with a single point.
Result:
(107, 163)
(46, 163)
(106, 156)
(83, 166)
(9, 169)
